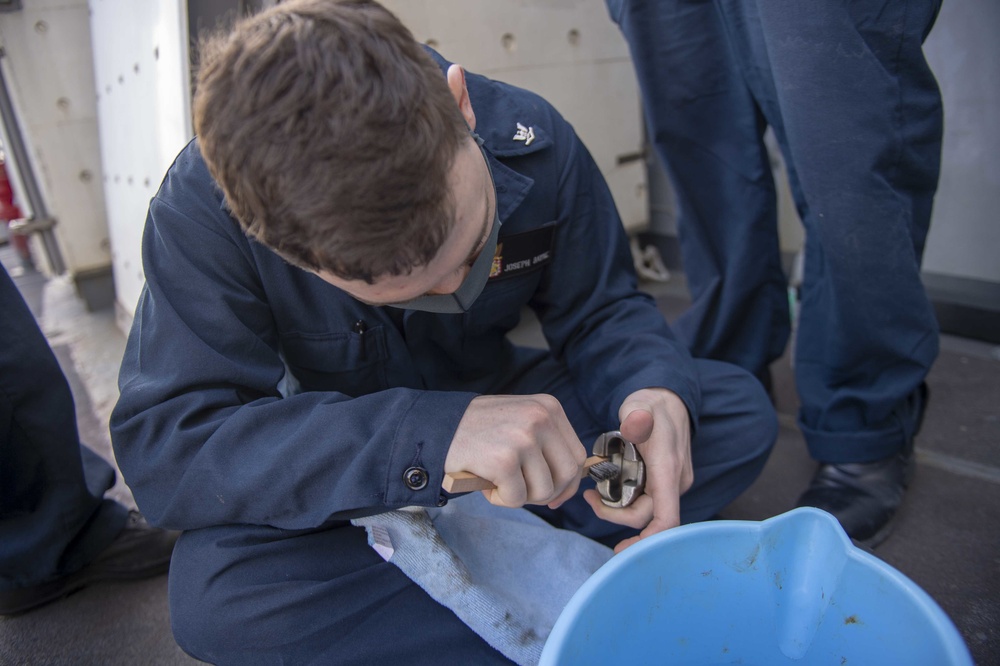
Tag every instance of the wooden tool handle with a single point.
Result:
(466, 482)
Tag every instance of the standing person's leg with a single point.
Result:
(858, 114)
(57, 532)
(708, 130)
(50, 523)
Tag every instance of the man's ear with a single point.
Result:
(456, 83)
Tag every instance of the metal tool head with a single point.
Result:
(621, 490)
(604, 470)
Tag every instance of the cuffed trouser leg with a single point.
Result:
(859, 118)
(858, 114)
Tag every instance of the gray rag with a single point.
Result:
(506, 573)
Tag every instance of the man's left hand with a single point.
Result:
(658, 423)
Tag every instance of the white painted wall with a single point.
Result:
(964, 53)
(50, 78)
(141, 68)
(568, 51)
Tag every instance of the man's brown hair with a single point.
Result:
(332, 133)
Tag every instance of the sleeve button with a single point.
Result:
(415, 478)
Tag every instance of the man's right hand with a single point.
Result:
(523, 445)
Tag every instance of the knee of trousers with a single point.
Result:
(736, 431)
(221, 608)
(200, 624)
(737, 409)
(247, 594)
(761, 420)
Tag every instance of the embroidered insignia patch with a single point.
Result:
(526, 134)
(497, 261)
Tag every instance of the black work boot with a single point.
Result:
(865, 496)
(139, 551)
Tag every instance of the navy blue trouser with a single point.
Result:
(247, 594)
(53, 517)
(858, 115)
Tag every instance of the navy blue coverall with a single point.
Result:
(261, 408)
(858, 115)
(54, 518)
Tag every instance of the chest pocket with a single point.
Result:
(352, 362)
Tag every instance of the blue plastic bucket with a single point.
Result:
(789, 590)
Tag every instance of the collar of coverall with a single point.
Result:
(507, 130)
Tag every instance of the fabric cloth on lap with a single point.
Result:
(505, 573)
